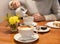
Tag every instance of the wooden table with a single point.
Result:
(52, 37)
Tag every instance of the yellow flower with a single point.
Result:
(17, 20)
(13, 20)
(15, 17)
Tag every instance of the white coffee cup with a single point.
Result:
(26, 32)
(28, 20)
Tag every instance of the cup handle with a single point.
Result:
(37, 28)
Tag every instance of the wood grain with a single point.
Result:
(51, 37)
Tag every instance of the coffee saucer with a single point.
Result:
(41, 30)
(33, 24)
(18, 38)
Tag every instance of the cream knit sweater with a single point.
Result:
(43, 7)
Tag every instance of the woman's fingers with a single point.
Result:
(15, 4)
(38, 17)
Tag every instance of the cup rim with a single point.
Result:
(25, 27)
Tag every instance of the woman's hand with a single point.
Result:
(38, 17)
(15, 4)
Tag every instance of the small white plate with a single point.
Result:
(33, 24)
(50, 24)
(40, 30)
(18, 38)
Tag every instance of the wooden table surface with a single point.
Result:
(51, 37)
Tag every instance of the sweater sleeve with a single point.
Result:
(56, 9)
(50, 17)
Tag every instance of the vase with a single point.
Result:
(13, 28)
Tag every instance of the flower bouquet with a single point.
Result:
(13, 23)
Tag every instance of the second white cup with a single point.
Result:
(28, 20)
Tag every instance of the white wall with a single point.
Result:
(4, 8)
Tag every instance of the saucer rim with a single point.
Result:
(40, 30)
(48, 29)
(25, 41)
(33, 24)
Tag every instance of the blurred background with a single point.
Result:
(4, 9)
